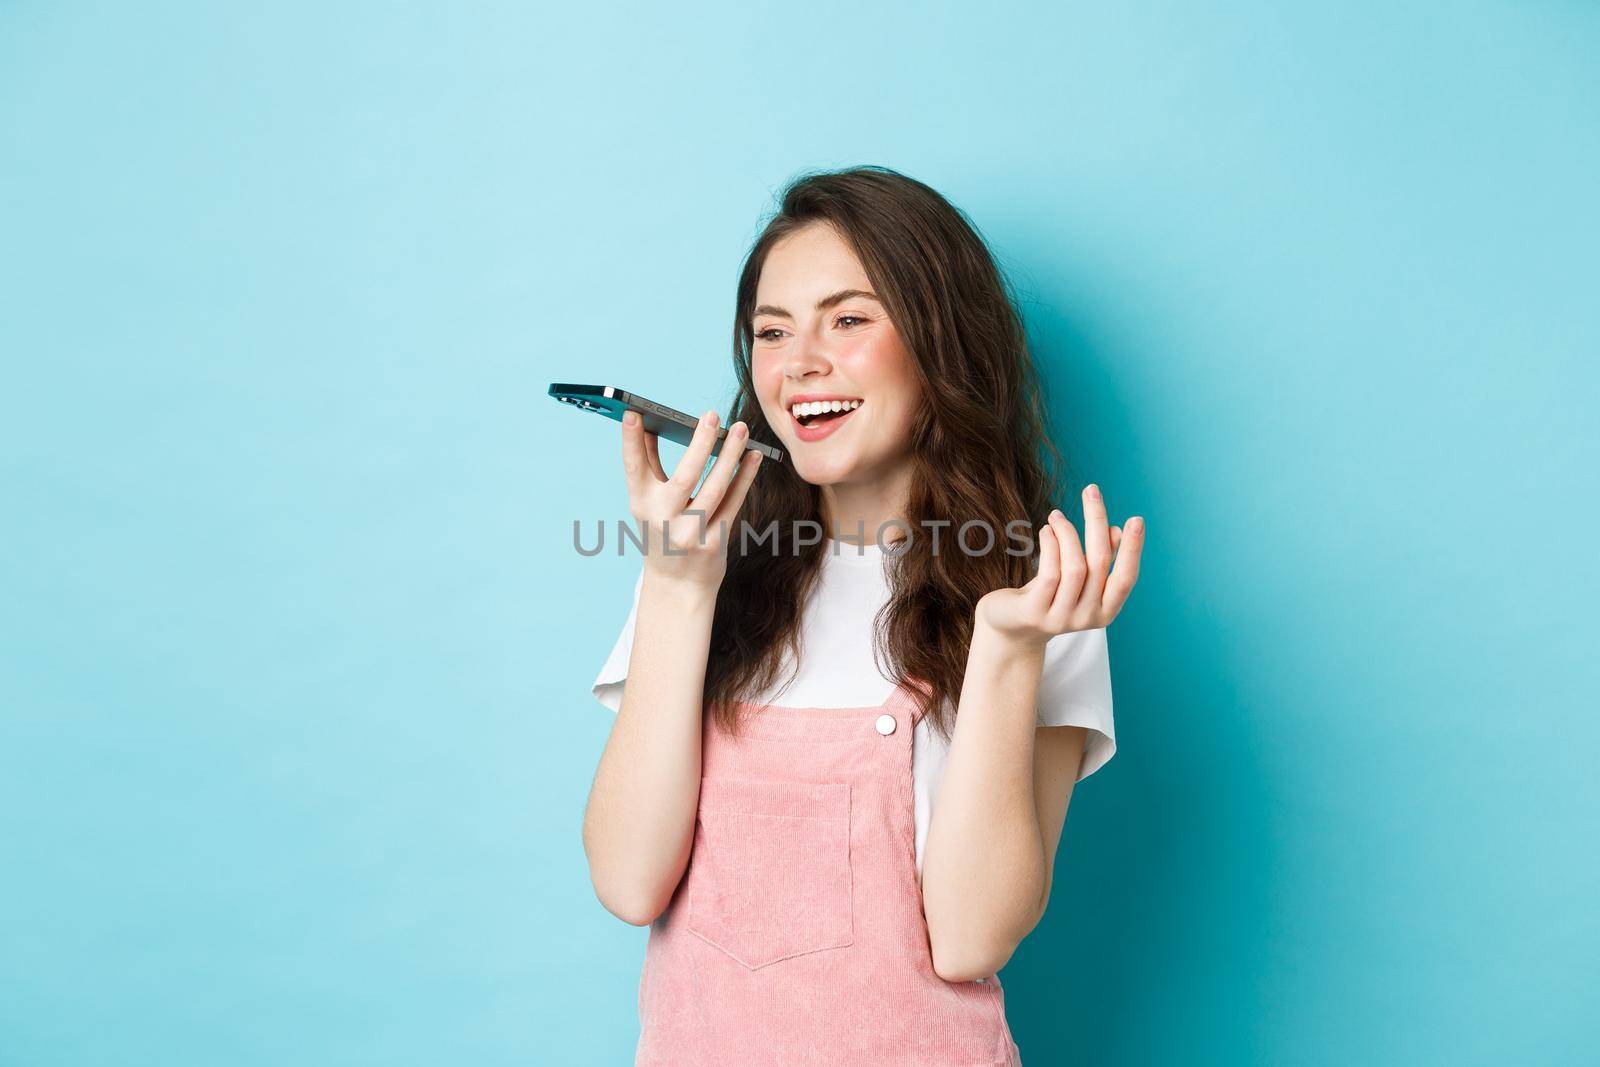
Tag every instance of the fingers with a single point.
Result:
(1120, 584)
(634, 461)
(687, 473)
(1096, 544)
(652, 452)
(716, 483)
(733, 499)
(1073, 567)
(1049, 574)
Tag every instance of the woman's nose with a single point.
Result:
(805, 359)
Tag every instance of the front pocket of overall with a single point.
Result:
(769, 877)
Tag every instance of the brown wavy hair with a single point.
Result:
(980, 447)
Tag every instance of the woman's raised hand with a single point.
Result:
(1075, 588)
(685, 531)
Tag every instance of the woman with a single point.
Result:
(808, 901)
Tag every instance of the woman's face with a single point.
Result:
(821, 336)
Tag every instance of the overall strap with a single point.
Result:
(905, 699)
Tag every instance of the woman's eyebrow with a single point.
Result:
(822, 305)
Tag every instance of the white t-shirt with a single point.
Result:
(837, 670)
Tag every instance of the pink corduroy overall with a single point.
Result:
(796, 935)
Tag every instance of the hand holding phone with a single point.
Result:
(668, 509)
(687, 532)
(659, 419)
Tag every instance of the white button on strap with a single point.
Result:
(886, 724)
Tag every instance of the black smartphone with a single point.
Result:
(659, 419)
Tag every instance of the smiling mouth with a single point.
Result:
(821, 419)
(822, 412)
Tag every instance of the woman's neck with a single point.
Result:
(855, 512)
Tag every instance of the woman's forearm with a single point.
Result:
(983, 862)
(638, 826)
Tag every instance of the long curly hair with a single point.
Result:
(980, 447)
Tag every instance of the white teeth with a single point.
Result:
(817, 407)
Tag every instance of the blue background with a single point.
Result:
(296, 728)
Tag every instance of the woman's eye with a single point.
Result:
(762, 336)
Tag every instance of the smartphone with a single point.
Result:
(659, 419)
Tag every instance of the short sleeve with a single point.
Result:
(1075, 690)
(608, 683)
